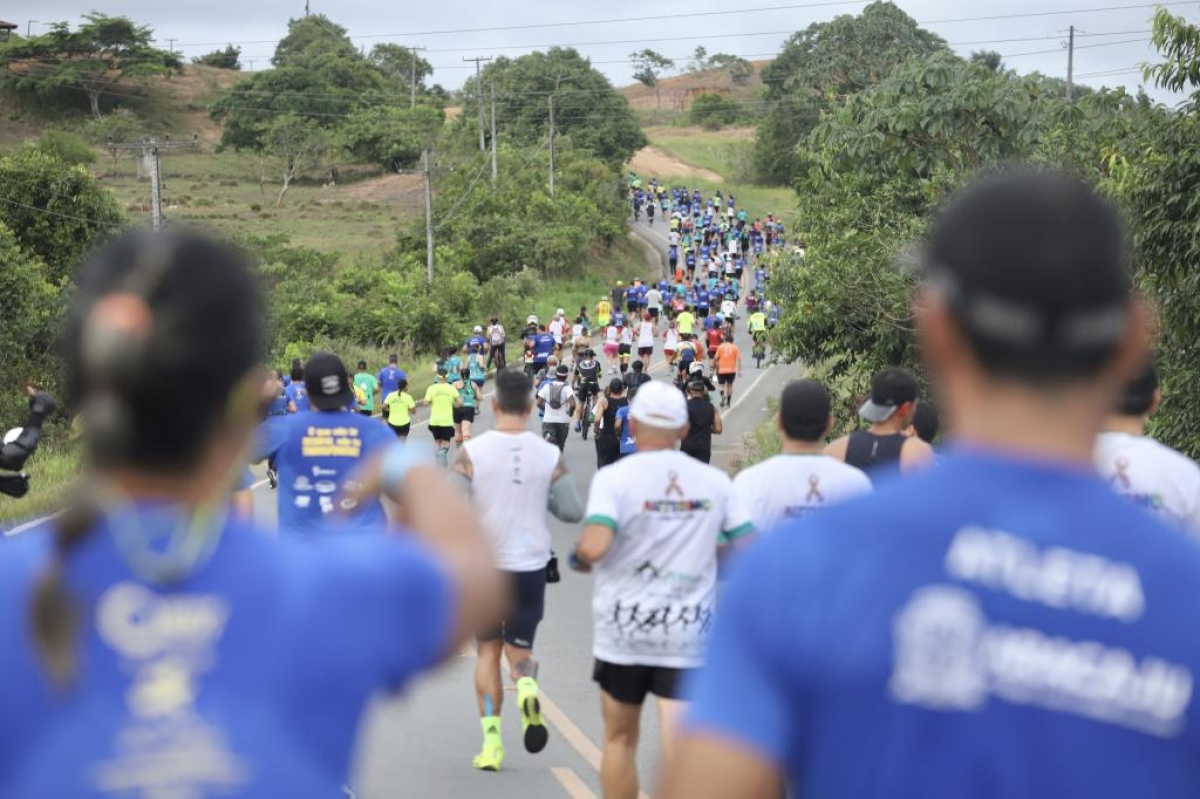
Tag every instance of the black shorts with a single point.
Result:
(528, 593)
(556, 433)
(402, 429)
(645, 352)
(464, 414)
(654, 312)
(624, 349)
(726, 379)
(631, 306)
(442, 433)
(630, 684)
(365, 412)
(703, 312)
(712, 353)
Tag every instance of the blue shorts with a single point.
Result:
(519, 627)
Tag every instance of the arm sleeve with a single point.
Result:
(564, 501)
(742, 693)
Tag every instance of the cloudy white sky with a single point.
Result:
(1112, 42)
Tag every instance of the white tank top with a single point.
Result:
(627, 335)
(513, 473)
(610, 334)
(646, 334)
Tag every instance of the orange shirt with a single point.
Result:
(727, 358)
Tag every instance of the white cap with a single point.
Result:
(659, 405)
(561, 312)
(478, 329)
(695, 368)
(532, 320)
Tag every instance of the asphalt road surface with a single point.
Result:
(421, 744)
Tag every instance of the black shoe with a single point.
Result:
(272, 479)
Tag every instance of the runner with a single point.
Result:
(728, 366)
(464, 410)
(1151, 474)
(704, 421)
(365, 386)
(894, 393)
(714, 337)
(558, 329)
(654, 302)
(603, 312)
(625, 347)
(925, 423)
(645, 338)
(611, 348)
(635, 378)
(317, 454)
(514, 478)
(544, 345)
(390, 377)
(655, 522)
(557, 401)
(497, 337)
(802, 479)
(477, 344)
(441, 398)
(297, 392)
(671, 343)
(957, 581)
(608, 441)
(399, 407)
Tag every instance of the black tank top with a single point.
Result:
(868, 451)
(609, 430)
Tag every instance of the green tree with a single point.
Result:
(229, 58)
(713, 111)
(396, 63)
(31, 309)
(56, 212)
(390, 136)
(119, 125)
(740, 70)
(699, 60)
(66, 147)
(648, 65)
(988, 58)
(823, 64)
(102, 54)
(587, 108)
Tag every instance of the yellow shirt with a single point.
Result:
(400, 405)
(686, 322)
(604, 312)
(757, 322)
(441, 398)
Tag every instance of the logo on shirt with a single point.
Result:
(947, 657)
(679, 505)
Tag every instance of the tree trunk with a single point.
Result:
(287, 182)
(94, 99)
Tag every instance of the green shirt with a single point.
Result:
(368, 385)
(441, 397)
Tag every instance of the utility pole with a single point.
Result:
(495, 166)
(551, 145)
(150, 148)
(1071, 65)
(29, 27)
(413, 81)
(171, 46)
(428, 215)
(479, 95)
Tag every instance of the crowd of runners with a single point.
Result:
(1010, 616)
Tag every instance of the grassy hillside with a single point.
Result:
(676, 94)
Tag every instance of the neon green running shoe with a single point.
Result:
(532, 725)
(491, 757)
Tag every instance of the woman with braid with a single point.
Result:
(151, 643)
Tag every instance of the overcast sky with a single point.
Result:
(1111, 43)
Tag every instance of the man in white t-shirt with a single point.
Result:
(655, 522)
(558, 328)
(802, 479)
(556, 400)
(1149, 473)
(515, 478)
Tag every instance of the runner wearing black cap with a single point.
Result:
(556, 400)
(704, 421)
(889, 411)
(1002, 625)
(1146, 471)
(608, 442)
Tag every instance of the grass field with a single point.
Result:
(52, 470)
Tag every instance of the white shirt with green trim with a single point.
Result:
(790, 486)
(1153, 476)
(655, 590)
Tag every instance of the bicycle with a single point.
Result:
(586, 416)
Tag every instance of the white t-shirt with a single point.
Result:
(577, 331)
(671, 339)
(562, 413)
(556, 328)
(655, 591)
(645, 335)
(654, 298)
(610, 335)
(673, 238)
(728, 308)
(790, 486)
(1152, 475)
(511, 485)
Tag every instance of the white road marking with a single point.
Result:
(575, 786)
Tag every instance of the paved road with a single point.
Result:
(421, 745)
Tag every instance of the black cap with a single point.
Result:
(1035, 268)
(327, 383)
(697, 385)
(616, 385)
(890, 389)
(804, 410)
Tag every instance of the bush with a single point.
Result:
(67, 147)
(255, 207)
(714, 111)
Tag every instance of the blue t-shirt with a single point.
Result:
(258, 666)
(316, 456)
(627, 444)
(543, 348)
(477, 344)
(993, 627)
(298, 394)
(278, 406)
(389, 380)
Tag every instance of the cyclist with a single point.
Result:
(587, 385)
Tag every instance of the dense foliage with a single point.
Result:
(587, 109)
(713, 111)
(228, 58)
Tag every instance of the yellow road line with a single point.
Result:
(575, 786)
